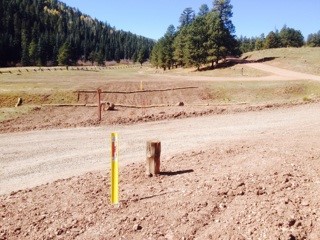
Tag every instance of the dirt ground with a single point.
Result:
(264, 186)
(267, 188)
(64, 117)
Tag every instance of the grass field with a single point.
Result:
(57, 86)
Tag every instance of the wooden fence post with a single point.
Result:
(153, 157)
(99, 104)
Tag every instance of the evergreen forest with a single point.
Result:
(208, 36)
(48, 32)
(202, 38)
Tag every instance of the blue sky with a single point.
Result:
(250, 17)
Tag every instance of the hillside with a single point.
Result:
(305, 59)
(39, 32)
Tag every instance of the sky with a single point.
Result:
(251, 17)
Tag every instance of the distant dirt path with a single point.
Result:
(284, 73)
(277, 74)
(32, 158)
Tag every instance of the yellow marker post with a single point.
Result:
(114, 169)
(141, 85)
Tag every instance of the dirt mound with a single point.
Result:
(240, 190)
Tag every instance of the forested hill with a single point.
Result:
(48, 32)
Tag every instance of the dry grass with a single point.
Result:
(232, 71)
(304, 59)
(11, 113)
(58, 86)
(254, 92)
(9, 99)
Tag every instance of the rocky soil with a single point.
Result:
(267, 188)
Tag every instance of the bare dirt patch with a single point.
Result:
(262, 189)
(72, 117)
(199, 99)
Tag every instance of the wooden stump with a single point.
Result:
(153, 157)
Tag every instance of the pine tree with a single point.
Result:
(168, 46)
(224, 10)
(272, 40)
(197, 41)
(187, 17)
(33, 53)
(181, 53)
(258, 44)
(64, 54)
(203, 10)
(220, 41)
(290, 37)
(100, 58)
(162, 53)
(24, 49)
(313, 40)
(134, 57)
(142, 55)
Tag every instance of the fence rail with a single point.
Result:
(138, 91)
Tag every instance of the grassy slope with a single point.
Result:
(256, 92)
(304, 59)
(297, 59)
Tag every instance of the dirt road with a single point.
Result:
(33, 158)
(284, 74)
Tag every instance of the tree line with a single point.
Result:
(205, 37)
(48, 32)
(286, 37)
(208, 36)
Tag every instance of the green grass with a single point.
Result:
(303, 59)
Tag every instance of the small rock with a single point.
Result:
(180, 104)
(291, 222)
(241, 184)
(291, 237)
(305, 203)
(260, 192)
(110, 106)
(59, 231)
(184, 220)
(137, 227)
